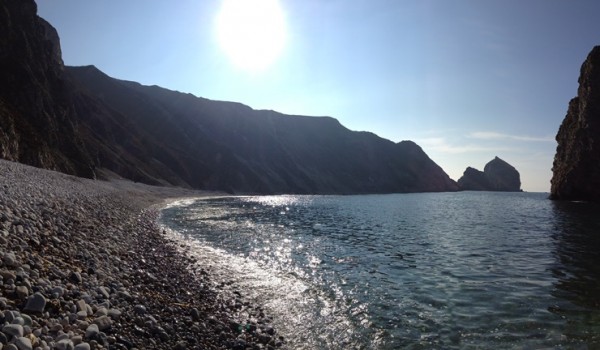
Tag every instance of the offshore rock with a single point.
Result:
(576, 168)
(497, 175)
(473, 180)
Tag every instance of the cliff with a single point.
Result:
(38, 125)
(497, 175)
(576, 167)
(80, 121)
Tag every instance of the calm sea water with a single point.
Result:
(418, 271)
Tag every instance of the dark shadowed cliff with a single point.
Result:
(80, 121)
(497, 175)
(265, 151)
(576, 168)
(38, 124)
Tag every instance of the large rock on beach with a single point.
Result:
(576, 167)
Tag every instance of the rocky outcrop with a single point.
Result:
(497, 175)
(576, 168)
(80, 121)
(473, 180)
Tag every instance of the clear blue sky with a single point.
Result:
(466, 80)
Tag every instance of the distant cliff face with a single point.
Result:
(80, 121)
(247, 150)
(497, 175)
(576, 168)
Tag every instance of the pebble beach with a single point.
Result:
(84, 265)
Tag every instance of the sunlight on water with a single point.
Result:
(453, 270)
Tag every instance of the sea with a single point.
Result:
(464, 270)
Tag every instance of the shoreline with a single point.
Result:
(85, 265)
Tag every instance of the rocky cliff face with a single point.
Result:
(80, 121)
(576, 168)
(246, 150)
(497, 175)
(38, 125)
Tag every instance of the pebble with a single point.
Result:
(84, 266)
(23, 343)
(139, 309)
(82, 346)
(15, 330)
(35, 303)
(103, 322)
(92, 331)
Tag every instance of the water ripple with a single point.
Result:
(446, 270)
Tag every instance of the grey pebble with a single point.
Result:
(82, 346)
(36, 303)
(92, 331)
(15, 330)
(23, 343)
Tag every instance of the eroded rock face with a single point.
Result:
(497, 175)
(576, 168)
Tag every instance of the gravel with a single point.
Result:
(84, 265)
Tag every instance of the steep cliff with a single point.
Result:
(38, 125)
(497, 175)
(266, 151)
(80, 121)
(576, 168)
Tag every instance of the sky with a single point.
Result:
(467, 80)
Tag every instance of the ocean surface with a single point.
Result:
(415, 271)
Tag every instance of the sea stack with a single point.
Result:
(576, 168)
(497, 175)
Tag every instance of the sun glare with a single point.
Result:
(251, 32)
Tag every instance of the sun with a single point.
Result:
(251, 32)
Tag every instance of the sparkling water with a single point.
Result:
(417, 271)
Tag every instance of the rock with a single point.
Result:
(104, 291)
(195, 314)
(22, 292)
(497, 175)
(139, 309)
(82, 346)
(114, 314)
(6, 275)
(36, 303)
(64, 344)
(15, 330)
(58, 292)
(75, 277)
(10, 259)
(502, 176)
(103, 322)
(180, 346)
(23, 343)
(576, 167)
(92, 331)
(81, 305)
(473, 180)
